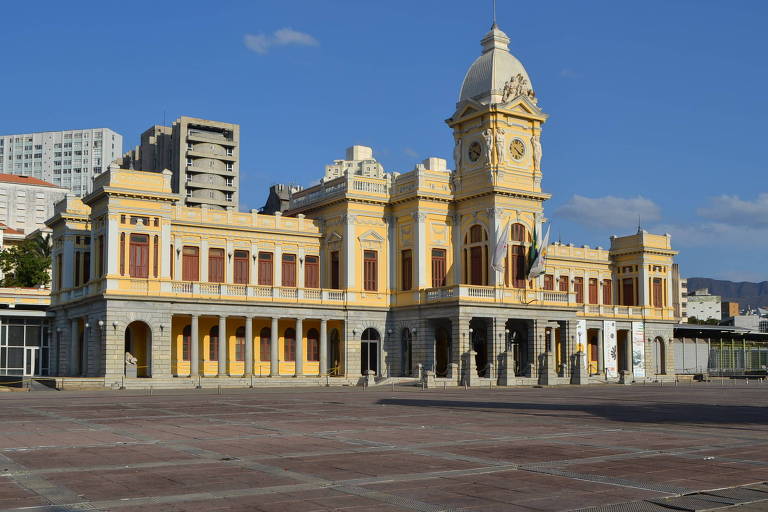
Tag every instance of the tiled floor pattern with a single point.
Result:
(349, 450)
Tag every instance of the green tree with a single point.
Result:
(27, 264)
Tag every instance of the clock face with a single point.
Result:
(517, 149)
(474, 151)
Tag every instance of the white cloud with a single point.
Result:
(610, 212)
(708, 234)
(569, 73)
(411, 152)
(736, 211)
(261, 43)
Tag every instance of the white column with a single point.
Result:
(299, 348)
(204, 260)
(642, 285)
(111, 246)
(458, 270)
(165, 250)
(222, 346)
(393, 246)
(178, 249)
(248, 345)
(323, 347)
(494, 221)
(350, 258)
(274, 364)
(300, 268)
(229, 277)
(278, 266)
(421, 249)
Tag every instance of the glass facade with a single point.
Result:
(24, 346)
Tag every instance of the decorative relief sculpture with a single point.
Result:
(516, 86)
(500, 147)
(488, 136)
(536, 144)
(457, 153)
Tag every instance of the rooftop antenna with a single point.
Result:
(639, 226)
(494, 12)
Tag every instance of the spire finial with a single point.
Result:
(494, 12)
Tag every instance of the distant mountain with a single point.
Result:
(746, 294)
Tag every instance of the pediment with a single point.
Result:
(371, 236)
(333, 237)
(524, 105)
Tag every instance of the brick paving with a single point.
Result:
(519, 449)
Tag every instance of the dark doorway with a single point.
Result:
(369, 351)
(442, 351)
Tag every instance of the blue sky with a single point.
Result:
(657, 108)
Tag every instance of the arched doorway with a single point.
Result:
(517, 342)
(480, 346)
(406, 348)
(334, 355)
(442, 351)
(623, 350)
(660, 356)
(369, 351)
(138, 342)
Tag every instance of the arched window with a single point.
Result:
(186, 342)
(213, 343)
(369, 350)
(476, 256)
(515, 269)
(265, 344)
(289, 345)
(240, 344)
(313, 345)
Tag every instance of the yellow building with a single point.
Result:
(423, 274)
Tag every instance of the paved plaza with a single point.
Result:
(402, 449)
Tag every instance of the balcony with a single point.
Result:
(206, 136)
(343, 185)
(205, 154)
(224, 291)
(490, 294)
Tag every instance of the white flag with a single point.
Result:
(538, 264)
(502, 242)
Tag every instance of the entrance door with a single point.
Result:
(30, 361)
(369, 351)
(442, 352)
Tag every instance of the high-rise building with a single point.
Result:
(202, 154)
(69, 158)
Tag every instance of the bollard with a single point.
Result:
(393, 386)
(218, 389)
(150, 390)
(444, 386)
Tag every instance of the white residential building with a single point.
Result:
(26, 203)
(68, 158)
(703, 306)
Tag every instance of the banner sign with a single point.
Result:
(581, 339)
(638, 349)
(610, 355)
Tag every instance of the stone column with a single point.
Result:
(74, 363)
(194, 348)
(299, 348)
(222, 346)
(274, 364)
(323, 347)
(457, 248)
(600, 355)
(248, 345)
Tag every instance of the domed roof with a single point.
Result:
(496, 75)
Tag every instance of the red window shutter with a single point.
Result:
(406, 269)
(265, 268)
(186, 343)
(240, 269)
(370, 266)
(122, 254)
(312, 272)
(549, 282)
(138, 265)
(155, 256)
(476, 265)
(563, 283)
(289, 270)
(592, 290)
(438, 268)
(289, 345)
(607, 299)
(518, 266)
(335, 270)
(627, 292)
(578, 287)
(313, 346)
(216, 265)
(190, 264)
(657, 293)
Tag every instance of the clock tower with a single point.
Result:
(497, 132)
